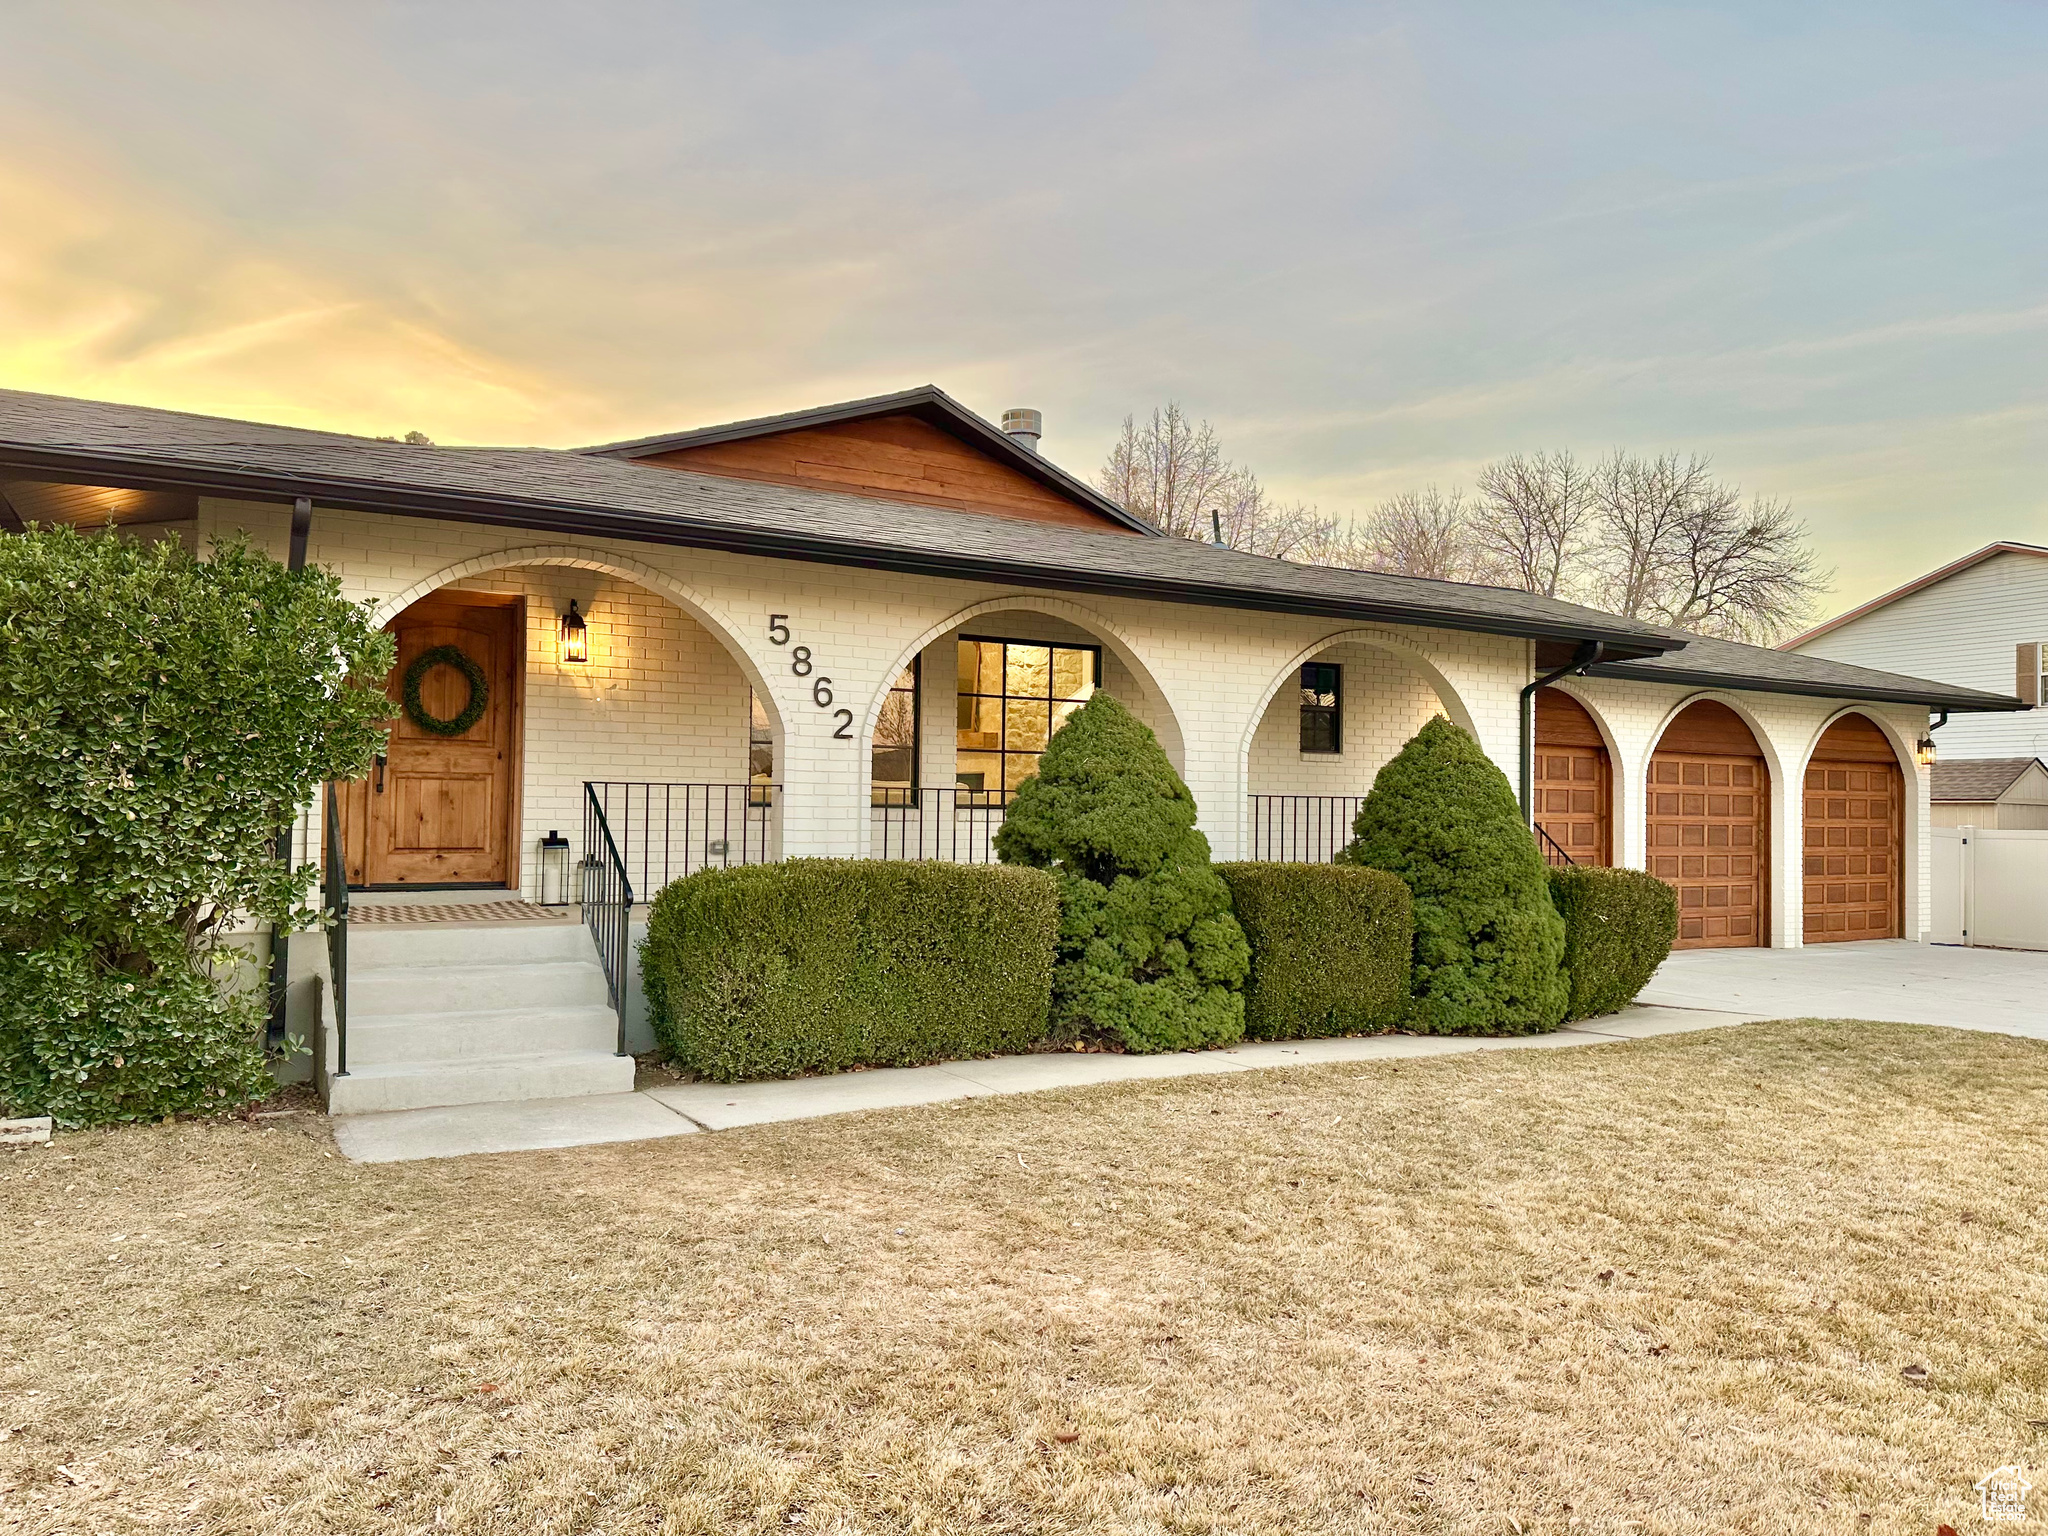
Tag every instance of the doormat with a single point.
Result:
(460, 912)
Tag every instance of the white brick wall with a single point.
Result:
(678, 635)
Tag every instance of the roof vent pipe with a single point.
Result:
(1024, 427)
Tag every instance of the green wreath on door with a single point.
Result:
(479, 690)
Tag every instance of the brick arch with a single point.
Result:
(1112, 636)
(624, 568)
(1398, 646)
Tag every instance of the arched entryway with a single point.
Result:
(1574, 785)
(1331, 721)
(1707, 825)
(1854, 807)
(968, 714)
(653, 708)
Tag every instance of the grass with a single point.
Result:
(1666, 1287)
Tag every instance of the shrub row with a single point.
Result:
(1618, 927)
(816, 965)
(1330, 948)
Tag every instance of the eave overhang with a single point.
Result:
(27, 461)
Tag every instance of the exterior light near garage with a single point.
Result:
(575, 636)
(1923, 751)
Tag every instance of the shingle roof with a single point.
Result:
(1977, 778)
(1710, 663)
(596, 495)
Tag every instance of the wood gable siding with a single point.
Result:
(897, 457)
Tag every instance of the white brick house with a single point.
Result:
(770, 605)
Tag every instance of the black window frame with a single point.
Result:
(1000, 795)
(1318, 718)
(898, 795)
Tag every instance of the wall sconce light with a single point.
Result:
(1923, 751)
(575, 636)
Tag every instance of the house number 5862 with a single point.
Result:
(802, 665)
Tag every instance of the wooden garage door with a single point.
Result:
(1854, 807)
(1574, 789)
(1708, 808)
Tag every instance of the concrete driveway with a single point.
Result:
(2004, 991)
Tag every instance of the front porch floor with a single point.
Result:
(681, 1109)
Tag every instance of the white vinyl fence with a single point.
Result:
(1990, 887)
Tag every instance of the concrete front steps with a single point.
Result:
(450, 1013)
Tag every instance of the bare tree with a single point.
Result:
(1530, 524)
(1649, 538)
(1679, 547)
(1642, 502)
(1419, 533)
(1171, 471)
(1743, 573)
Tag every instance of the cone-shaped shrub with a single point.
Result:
(1149, 953)
(1488, 941)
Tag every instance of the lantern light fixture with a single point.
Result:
(1923, 751)
(575, 636)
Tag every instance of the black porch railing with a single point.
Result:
(1301, 829)
(1553, 855)
(607, 903)
(334, 896)
(665, 831)
(953, 826)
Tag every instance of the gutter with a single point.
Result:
(1589, 652)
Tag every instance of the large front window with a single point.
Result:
(1013, 695)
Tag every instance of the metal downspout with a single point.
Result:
(1589, 652)
(302, 526)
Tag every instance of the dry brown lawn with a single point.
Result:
(1657, 1288)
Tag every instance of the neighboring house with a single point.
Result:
(848, 632)
(2007, 794)
(1980, 622)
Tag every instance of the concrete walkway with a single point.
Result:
(687, 1108)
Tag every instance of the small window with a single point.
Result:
(893, 757)
(1320, 711)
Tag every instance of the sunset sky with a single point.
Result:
(1375, 245)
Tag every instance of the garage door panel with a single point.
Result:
(1852, 866)
(1705, 841)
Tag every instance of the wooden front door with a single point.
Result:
(1854, 804)
(1707, 824)
(440, 809)
(1574, 788)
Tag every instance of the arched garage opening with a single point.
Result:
(1707, 815)
(1854, 813)
(1574, 787)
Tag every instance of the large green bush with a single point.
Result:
(1488, 942)
(1330, 948)
(1149, 953)
(161, 718)
(1618, 927)
(816, 965)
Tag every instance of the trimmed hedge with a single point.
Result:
(1488, 943)
(1330, 948)
(816, 965)
(1618, 927)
